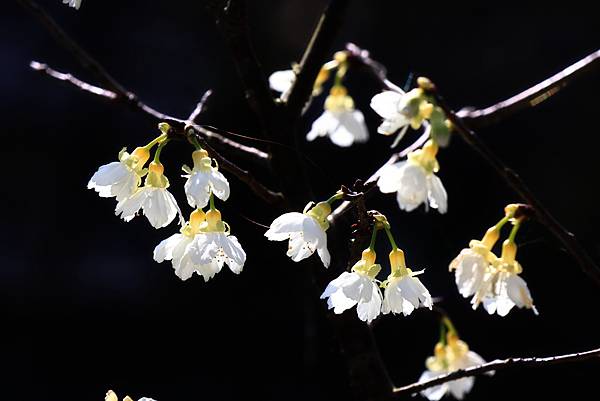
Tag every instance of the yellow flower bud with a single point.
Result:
(368, 255)
(425, 83)
(164, 127)
(509, 251)
(201, 160)
(340, 56)
(142, 154)
(397, 262)
(197, 217)
(425, 109)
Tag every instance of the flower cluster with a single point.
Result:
(111, 396)
(450, 354)
(493, 281)
(403, 293)
(204, 243)
(73, 3)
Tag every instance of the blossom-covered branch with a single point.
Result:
(512, 179)
(498, 365)
(530, 97)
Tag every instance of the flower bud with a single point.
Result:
(509, 251)
(368, 255)
(142, 154)
(197, 217)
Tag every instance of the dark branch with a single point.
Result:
(315, 55)
(530, 97)
(498, 365)
(512, 179)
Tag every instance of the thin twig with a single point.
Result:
(498, 364)
(530, 97)
(200, 107)
(512, 179)
(84, 86)
(315, 55)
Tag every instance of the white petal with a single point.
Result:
(436, 392)
(413, 187)
(324, 254)
(197, 189)
(389, 178)
(326, 123)
(219, 184)
(458, 388)
(367, 311)
(386, 104)
(235, 257)
(281, 81)
(438, 198)
(160, 207)
(284, 225)
(164, 250)
(128, 207)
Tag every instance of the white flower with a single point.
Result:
(340, 121)
(157, 203)
(448, 358)
(501, 287)
(404, 292)
(202, 248)
(120, 179)
(203, 180)
(73, 3)
(111, 396)
(305, 231)
(401, 109)
(282, 81)
(414, 182)
(470, 267)
(357, 288)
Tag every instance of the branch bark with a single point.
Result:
(498, 365)
(530, 97)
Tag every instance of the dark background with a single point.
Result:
(84, 306)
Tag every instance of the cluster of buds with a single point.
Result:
(494, 281)
(204, 243)
(403, 291)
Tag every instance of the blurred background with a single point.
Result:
(84, 306)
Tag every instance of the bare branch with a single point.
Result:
(200, 107)
(498, 365)
(530, 97)
(315, 55)
(512, 179)
(84, 86)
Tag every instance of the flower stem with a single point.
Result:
(502, 222)
(337, 196)
(373, 238)
(513, 232)
(158, 139)
(195, 142)
(442, 332)
(391, 238)
(448, 323)
(161, 145)
(212, 201)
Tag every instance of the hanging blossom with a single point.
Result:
(450, 354)
(111, 396)
(282, 81)
(305, 232)
(157, 203)
(203, 246)
(414, 180)
(400, 110)
(121, 179)
(203, 180)
(73, 3)
(404, 292)
(340, 121)
(357, 287)
(493, 281)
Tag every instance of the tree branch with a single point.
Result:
(200, 107)
(315, 55)
(530, 97)
(68, 78)
(512, 179)
(498, 365)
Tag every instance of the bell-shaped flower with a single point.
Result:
(177, 248)
(305, 232)
(472, 263)
(404, 292)
(214, 247)
(414, 180)
(357, 287)
(120, 179)
(502, 288)
(449, 357)
(73, 3)
(282, 81)
(340, 121)
(203, 180)
(158, 204)
(401, 109)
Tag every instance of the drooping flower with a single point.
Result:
(502, 288)
(73, 3)
(120, 179)
(414, 180)
(158, 204)
(177, 249)
(404, 292)
(401, 109)
(449, 357)
(340, 121)
(203, 180)
(472, 264)
(282, 81)
(357, 287)
(305, 231)
(111, 396)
